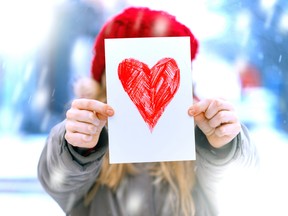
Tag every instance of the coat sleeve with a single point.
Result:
(223, 174)
(65, 174)
(240, 151)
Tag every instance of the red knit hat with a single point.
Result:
(138, 22)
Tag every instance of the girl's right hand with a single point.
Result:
(84, 122)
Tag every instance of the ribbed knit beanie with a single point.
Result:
(138, 22)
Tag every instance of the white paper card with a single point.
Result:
(149, 85)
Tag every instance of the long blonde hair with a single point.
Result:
(179, 175)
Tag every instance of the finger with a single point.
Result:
(93, 105)
(222, 117)
(230, 130)
(81, 127)
(76, 139)
(198, 107)
(81, 140)
(83, 116)
(210, 107)
(203, 123)
(216, 106)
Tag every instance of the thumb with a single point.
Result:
(199, 107)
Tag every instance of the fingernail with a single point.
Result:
(109, 112)
(191, 112)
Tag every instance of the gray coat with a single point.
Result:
(67, 176)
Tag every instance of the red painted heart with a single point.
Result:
(151, 90)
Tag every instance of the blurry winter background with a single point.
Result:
(46, 45)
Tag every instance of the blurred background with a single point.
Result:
(46, 45)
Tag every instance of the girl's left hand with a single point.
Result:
(217, 119)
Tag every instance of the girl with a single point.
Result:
(74, 167)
